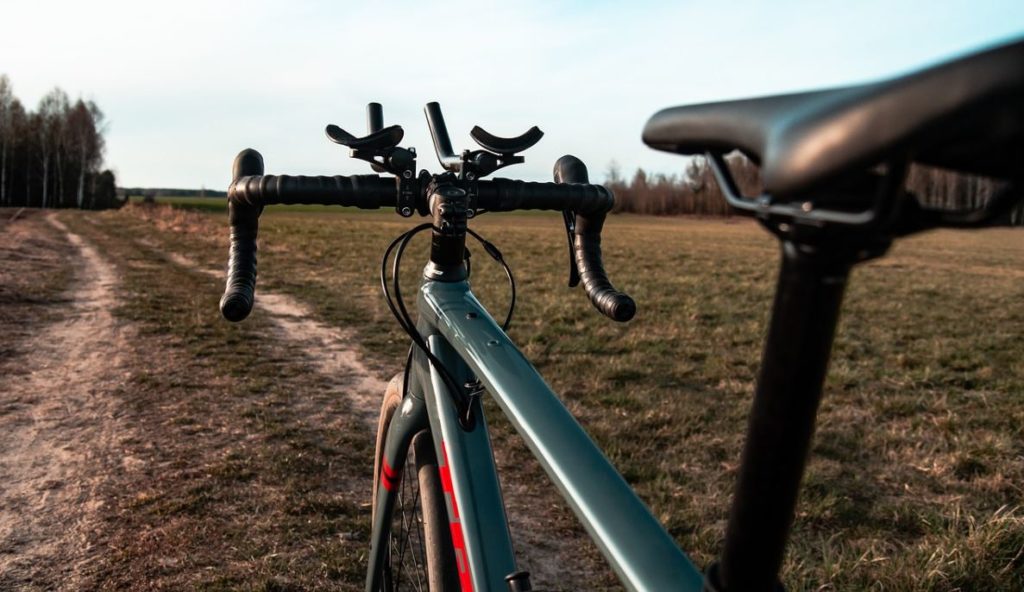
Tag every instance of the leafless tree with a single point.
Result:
(84, 122)
(52, 157)
(697, 192)
(6, 132)
(50, 113)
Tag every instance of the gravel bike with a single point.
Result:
(438, 517)
(438, 520)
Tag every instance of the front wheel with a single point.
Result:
(419, 555)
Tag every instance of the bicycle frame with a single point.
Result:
(463, 335)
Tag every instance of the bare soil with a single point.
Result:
(60, 428)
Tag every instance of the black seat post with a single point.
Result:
(809, 293)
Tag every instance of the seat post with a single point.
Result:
(805, 313)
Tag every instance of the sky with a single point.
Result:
(185, 85)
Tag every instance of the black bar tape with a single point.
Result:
(612, 303)
(250, 190)
(243, 216)
(361, 191)
(506, 195)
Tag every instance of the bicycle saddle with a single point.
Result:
(966, 114)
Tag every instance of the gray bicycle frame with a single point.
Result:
(464, 336)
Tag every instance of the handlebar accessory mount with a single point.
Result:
(584, 206)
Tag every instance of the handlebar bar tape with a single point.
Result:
(612, 303)
(362, 191)
(244, 217)
(506, 195)
(250, 190)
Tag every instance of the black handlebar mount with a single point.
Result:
(471, 165)
(380, 148)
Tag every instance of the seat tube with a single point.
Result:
(804, 316)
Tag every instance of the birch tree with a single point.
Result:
(6, 134)
(86, 144)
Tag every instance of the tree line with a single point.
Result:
(52, 157)
(154, 192)
(695, 191)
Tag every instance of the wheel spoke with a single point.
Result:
(407, 555)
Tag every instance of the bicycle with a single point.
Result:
(432, 441)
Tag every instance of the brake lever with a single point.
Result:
(569, 217)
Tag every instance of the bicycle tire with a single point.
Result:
(419, 553)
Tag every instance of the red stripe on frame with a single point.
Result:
(446, 481)
(389, 476)
(388, 470)
(458, 541)
(465, 579)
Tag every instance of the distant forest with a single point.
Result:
(152, 192)
(52, 157)
(695, 191)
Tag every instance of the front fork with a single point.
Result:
(476, 511)
(409, 419)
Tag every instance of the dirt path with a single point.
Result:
(330, 350)
(60, 430)
(77, 429)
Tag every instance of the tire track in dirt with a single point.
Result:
(61, 432)
(327, 348)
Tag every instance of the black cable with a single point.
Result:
(401, 314)
(495, 254)
(395, 279)
(384, 272)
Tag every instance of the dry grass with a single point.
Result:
(230, 485)
(33, 277)
(917, 469)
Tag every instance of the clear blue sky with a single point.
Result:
(187, 84)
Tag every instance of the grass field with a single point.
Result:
(917, 471)
(212, 204)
